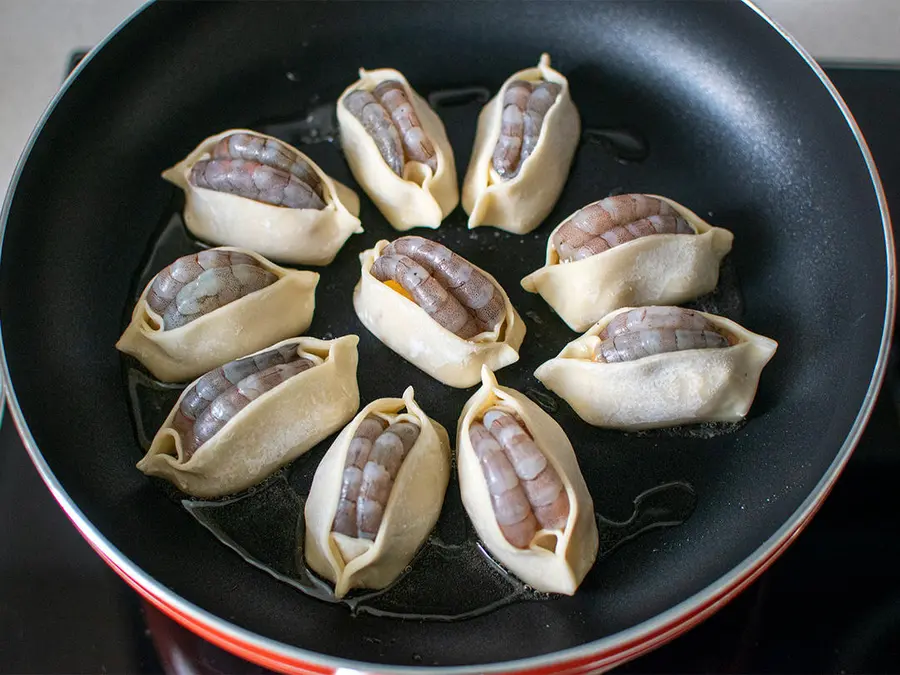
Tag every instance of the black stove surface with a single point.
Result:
(830, 604)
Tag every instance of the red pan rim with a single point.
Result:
(590, 664)
(601, 654)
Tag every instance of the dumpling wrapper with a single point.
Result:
(520, 204)
(408, 330)
(296, 236)
(412, 510)
(659, 269)
(418, 198)
(662, 390)
(570, 556)
(271, 431)
(281, 310)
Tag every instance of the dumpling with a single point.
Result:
(627, 251)
(208, 308)
(657, 367)
(437, 310)
(243, 188)
(523, 490)
(240, 423)
(376, 495)
(397, 149)
(526, 140)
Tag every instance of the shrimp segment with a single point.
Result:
(378, 124)
(524, 108)
(388, 452)
(590, 230)
(252, 180)
(646, 331)
(469, 286)
(197, 284)
(271, 152)
(511, 508)
(646, 318)
(357, 457)
(222, 393)
(373, 461)
(642, 343)
(416, 145)
(527, 493)
(216, 382)
(539, 104)
(389, 117)
(427, 292)
(639, 228)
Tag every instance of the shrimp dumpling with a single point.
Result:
(376, 495)
(523, 490)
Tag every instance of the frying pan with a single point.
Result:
(707, 103)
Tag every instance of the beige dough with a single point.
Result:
(271, 431)
(411, 513)
(296, 236)
(418, 198)
(407, 329)
(555, 562)
(281, 310)
(659, 269)
(520, 204)
(662, 390)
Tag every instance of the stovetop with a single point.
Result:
(830, 604)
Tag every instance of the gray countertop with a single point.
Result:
(36, 36)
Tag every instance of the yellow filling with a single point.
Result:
(394, 286)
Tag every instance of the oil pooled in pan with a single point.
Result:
(265, 524)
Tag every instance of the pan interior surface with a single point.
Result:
(736, 126)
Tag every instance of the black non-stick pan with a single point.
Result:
(705, 102)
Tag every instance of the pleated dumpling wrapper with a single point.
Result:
(240, 423)
(437, 310)
(397, 149)
(244, 188)
(649, 367)
(376, 495)
(211, 307)
(523, 490)
(627, 251)
(526, 140)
